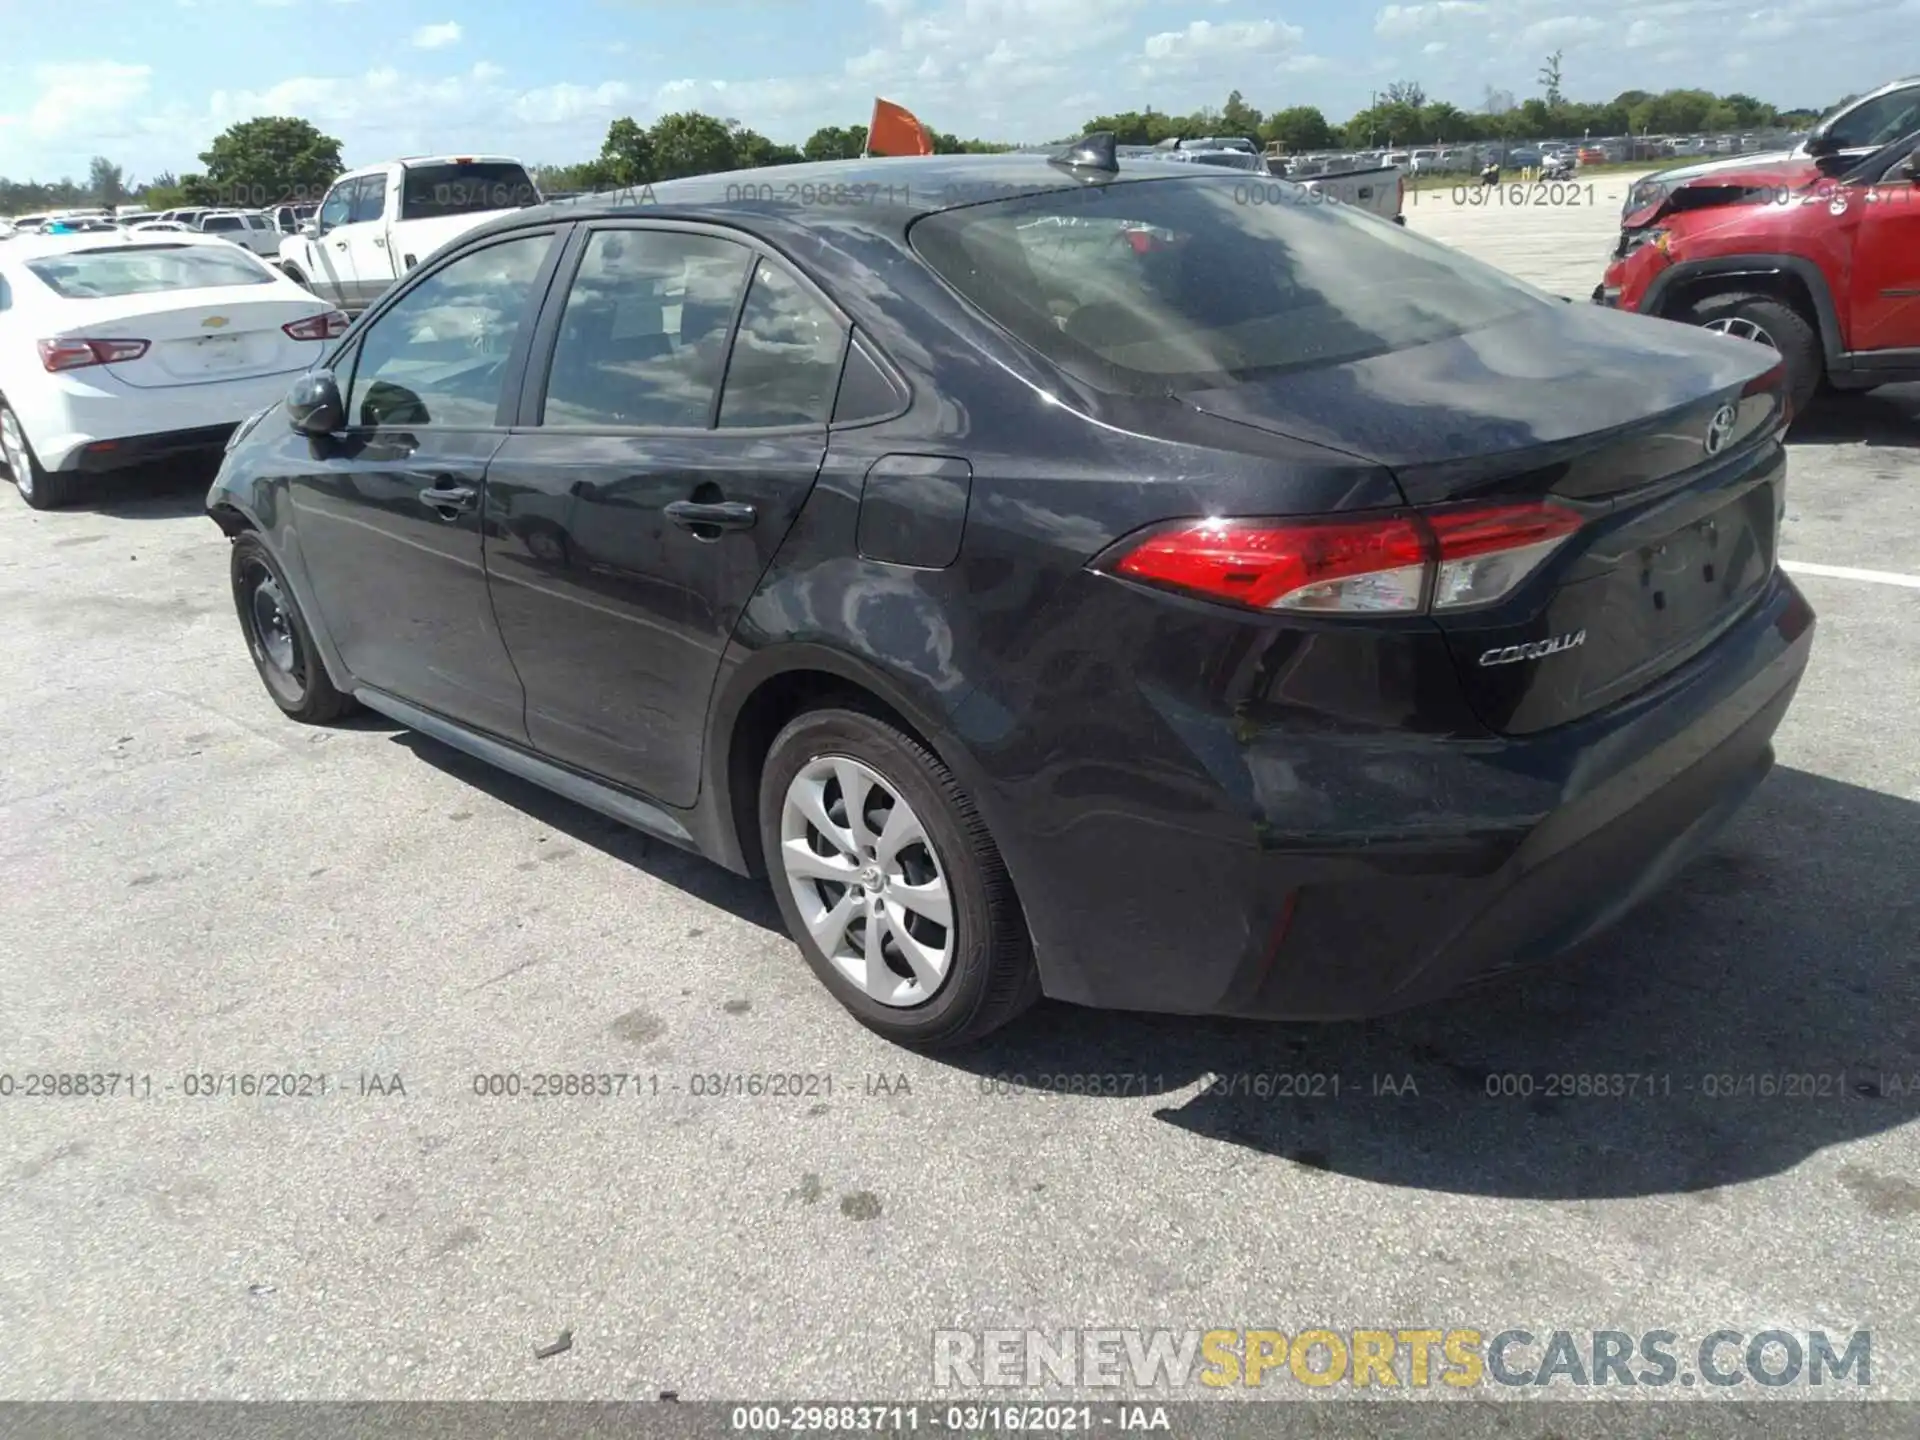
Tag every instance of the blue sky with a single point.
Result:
(149, 82)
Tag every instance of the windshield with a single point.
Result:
(146, 269)
(455, 189)
(1206, 280)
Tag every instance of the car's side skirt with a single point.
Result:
(582, 790)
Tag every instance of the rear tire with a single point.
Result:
(1773, 323)
(39, 487)
(278, 637)
(918, 838)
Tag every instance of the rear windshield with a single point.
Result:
(1187, 283)
(1228, 160)
(223, 222)
(436, 190)
(146, 269)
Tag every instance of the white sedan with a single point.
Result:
(119, 349)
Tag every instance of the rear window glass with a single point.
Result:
(223, 222)
(435, 190)
(145, 269)
(1206, 280)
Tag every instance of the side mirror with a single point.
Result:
(1909, 167)
(311, 229)
(1821, 142)
(314, 407)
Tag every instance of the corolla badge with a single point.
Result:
(1720, 429)
(213, 322)
(1536, 650)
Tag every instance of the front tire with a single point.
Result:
(889, 882)
(1773, 323)
(39, 487)
(279, 639)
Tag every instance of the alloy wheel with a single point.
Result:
(870, 887)
(1742, 328)
(13, 442)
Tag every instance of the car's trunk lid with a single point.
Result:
(1646, 427)
(197, 337)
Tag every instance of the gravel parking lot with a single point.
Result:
(196, 885)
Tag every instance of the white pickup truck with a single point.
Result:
(378, 222)
(1366, 185)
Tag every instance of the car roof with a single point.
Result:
(880, 195)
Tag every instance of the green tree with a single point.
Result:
(1550, 81)
(271, 159)
(1409, 93)
(627, 155)
(752, 149)
(1239, 118)
(106, 182)
(836, 142)
(1299, 128)
(690, 143)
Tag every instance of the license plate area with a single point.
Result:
(1668, 591)
(218, 352)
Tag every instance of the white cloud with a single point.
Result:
(561, 104)
(1203, 42)
(1396, 21)
(437, 37)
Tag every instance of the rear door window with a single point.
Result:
(786, 356)
(643, 338)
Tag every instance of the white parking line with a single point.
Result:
(1847, 572)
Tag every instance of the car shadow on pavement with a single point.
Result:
(1759, 1010)
(750, 900)
(165, 490)
(1883, 419)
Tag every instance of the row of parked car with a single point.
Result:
(260, 231)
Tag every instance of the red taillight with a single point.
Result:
(1352, 565)
(1453, 558)
(329, 326)
(58, 355)
(1485, 551)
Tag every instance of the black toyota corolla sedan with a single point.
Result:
(1145, 585)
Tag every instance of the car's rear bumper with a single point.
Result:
(96, 422)
(1506, 851)
(131, 450)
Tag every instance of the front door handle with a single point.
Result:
(449, 500)
(339, 244)
(719, 515)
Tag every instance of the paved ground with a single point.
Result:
(195, 885)
(1555, 235)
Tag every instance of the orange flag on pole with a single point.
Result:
(897, 131)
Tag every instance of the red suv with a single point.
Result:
(1824, 268)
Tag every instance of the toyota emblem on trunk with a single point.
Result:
(1720, 429)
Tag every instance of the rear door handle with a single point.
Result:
(449, 499)
(719, 515)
